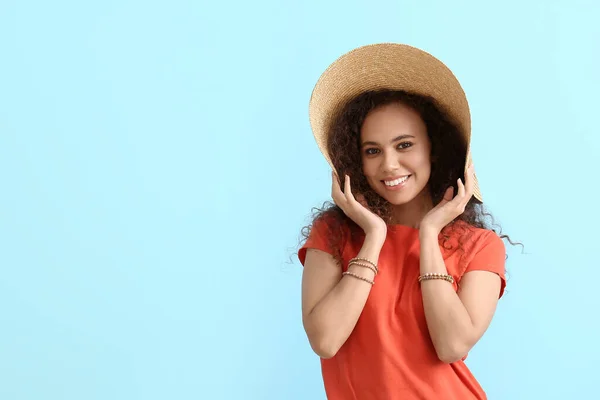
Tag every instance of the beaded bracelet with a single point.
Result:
(365, 260)
(430, 276)
(374, 269)
(352, 274)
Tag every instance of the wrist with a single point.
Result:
(427, 233)
(375, 239)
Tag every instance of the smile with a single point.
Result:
(396, 182)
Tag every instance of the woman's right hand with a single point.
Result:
(357, 209)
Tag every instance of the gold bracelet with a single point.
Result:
(363, 265)
(352, 274)
(430, 276)
(365, 260)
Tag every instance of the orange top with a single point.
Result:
(389, 355)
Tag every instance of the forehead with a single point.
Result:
(392, 120)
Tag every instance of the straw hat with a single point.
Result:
(389, 66)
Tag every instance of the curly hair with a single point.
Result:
(448, 156)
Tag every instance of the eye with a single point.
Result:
(371, 151)
(404, 145)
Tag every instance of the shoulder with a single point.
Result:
(483, 250)
(472, 238)
(468, 246)
(329, 232)
(329, 222)
(485, 239)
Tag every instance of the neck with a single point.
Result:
(411, 214)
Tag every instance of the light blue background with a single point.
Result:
(157, 165)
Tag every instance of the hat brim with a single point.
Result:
(388, 66)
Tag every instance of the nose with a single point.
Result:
(390, 162)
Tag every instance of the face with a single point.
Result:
(395, 152)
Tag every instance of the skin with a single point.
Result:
(394, 143)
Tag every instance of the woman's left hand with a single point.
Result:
(449, 208)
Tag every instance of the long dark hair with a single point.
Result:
(448, 156)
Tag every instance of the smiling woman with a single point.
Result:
(391, 134)
(402, 273)
(395, 168)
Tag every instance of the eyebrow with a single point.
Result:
(397, 138)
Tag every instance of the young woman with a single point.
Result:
(401, 275)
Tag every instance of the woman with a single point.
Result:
(402, 275)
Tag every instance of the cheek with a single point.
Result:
(424, 163)
(368, 169)
(425, 168)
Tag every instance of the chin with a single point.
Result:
(399, 200)
(401, 197)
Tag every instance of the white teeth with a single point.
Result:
(395, 182)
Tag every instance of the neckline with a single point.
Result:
(407, 228)
(400, 227)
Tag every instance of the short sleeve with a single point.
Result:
(317, 239)
(490, 256)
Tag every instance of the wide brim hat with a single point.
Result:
(388, 66)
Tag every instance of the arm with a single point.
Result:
(331, 304)
(455, 321)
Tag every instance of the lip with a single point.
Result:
(393, 178)
(397, 187)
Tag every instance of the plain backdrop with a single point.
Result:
(157, 165)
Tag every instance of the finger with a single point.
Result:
(458, 198)
(336, 190)
(445, 198)
(448, 194)
(469, 184)
(470, 179)
(348, 189)
(462, 197)
(461, 189)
